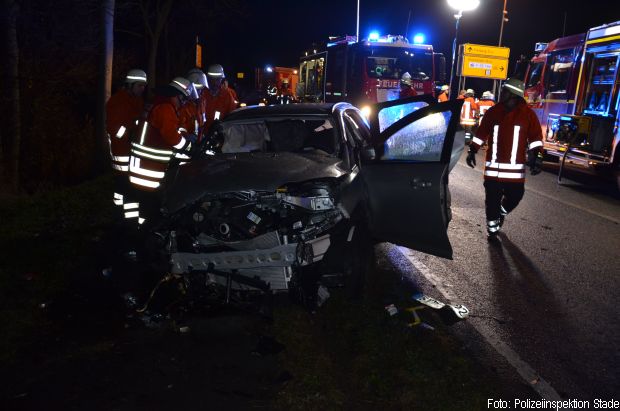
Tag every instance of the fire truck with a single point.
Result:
(368, 71)
(573, 85)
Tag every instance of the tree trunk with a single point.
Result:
(14, 117)
(102, 162)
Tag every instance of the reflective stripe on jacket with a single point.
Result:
(157, 141)
(123, 110)
(509, 135)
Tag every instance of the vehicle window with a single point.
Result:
(560, 68)
(390, 115)
(533, 76)
(600, 86)
(388, 63)
(421, 140)
(357, 128)
(298, 135)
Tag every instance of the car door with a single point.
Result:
(406, 189)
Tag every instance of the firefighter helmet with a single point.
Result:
(135, 76)
(406, 79)
(469, 92)
(197, 77)
(515, 86)
(487, 95)
(445, 87)
(216, 70)
(185, 87)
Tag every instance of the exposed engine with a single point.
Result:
(255, 240)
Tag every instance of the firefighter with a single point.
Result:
(192, 115)
(123, 110)
(461, 95)
(406, 86)
(510, 128)
(218, 101)
(231, 90)
(468, 114)
(443, 95)
(160, 139)
(486, 102)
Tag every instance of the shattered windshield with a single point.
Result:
(294, 135)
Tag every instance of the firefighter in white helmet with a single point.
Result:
(513, 134)
(468, 114)
(486, 102)
(218, 101)
(443, 95)
(160, 138)
(406, 86)
(123, 110)
(192, 115)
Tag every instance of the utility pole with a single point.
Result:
(496, 88)
(357, 26)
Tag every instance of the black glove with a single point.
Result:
(471, 158)
(534, 161)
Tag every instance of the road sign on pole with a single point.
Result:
(482, 61)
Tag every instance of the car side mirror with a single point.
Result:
(368, 154)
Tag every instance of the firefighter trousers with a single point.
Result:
(501, 194)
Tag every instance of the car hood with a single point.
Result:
(245, 171)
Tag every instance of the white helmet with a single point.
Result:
(185, 87)
(406, 79)
(470, 91)
(135, 76)
(197, 77)
(487, 95)
(216, 70)
(445, 87)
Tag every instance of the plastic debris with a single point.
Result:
(322, 295)
(391, 310)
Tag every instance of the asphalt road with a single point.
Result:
(546, 298)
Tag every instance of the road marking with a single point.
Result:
(529, 375)
(567, 203)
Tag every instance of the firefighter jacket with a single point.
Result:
(508, 135)
(160, 138)
(407, 92)
(123, 110)
(192, 117)
(217, 107)
(484, 105)
(468, 112)
(442, 97)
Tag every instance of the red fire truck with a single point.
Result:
(368, 71)
(574, 86)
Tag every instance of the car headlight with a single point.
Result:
(366, 111)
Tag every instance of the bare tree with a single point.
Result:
(12, 66)
(155, 15)
(104, 83)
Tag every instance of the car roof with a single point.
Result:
(283, 110)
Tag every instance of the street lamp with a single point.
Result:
(460, 6)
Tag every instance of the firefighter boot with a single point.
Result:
(502, 215)
(493, 227)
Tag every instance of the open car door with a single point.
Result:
(407, 182)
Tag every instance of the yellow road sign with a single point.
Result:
(485, 51)
(491, 68)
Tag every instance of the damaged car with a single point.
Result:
(291, 198)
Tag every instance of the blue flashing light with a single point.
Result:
(419, 38)
(269, 69)
(373, 36)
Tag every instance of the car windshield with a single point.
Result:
(295, 135)
(392, 63)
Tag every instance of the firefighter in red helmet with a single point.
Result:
(511, 129)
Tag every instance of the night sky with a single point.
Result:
(277, 31)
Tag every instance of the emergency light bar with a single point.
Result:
(539, 47)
